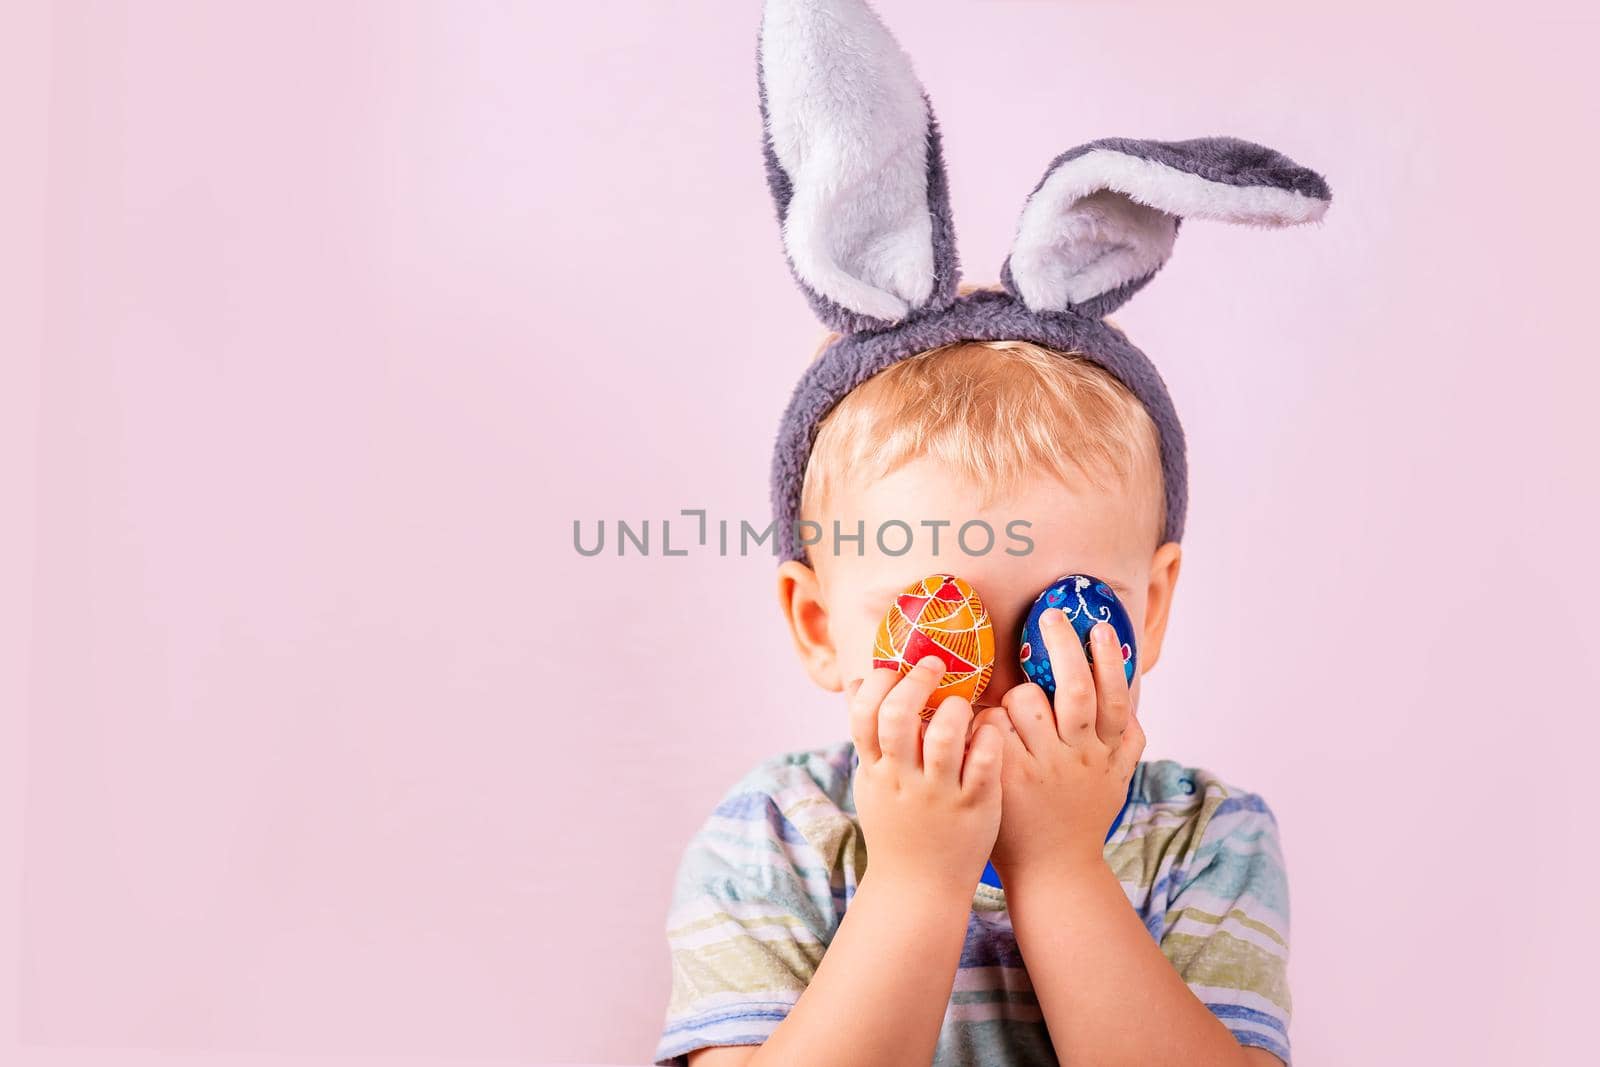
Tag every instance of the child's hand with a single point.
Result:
(1066, 769)
(929, 805)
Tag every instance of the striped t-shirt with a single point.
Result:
(765, 881)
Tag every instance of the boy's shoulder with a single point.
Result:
(1171, 788)
(1174, 804)
(810, 774)
(1187, 826)
(804, 792)
(785, 832)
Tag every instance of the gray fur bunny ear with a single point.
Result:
(1103, 219)
(854, 165)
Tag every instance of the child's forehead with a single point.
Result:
(1083, 510)
(923, 518)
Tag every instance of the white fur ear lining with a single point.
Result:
(848, 124)
(1106, 219)
(1066, 256)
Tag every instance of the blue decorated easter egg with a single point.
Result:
(1085, 600)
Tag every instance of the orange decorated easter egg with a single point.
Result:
(941, 615)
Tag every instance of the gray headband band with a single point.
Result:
(856, 171)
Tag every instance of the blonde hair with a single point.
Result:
(995, 412)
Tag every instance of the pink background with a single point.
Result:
(322, 322)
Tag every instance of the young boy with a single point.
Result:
(1165, 942)
(1006, 883)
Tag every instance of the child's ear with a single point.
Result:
(1104, 217)
(1164, 568)
(800, 597)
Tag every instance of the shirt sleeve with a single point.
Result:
(1227, 924)
(751, 914)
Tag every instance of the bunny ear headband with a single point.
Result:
(855, 168)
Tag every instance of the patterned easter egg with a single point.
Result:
(941, 616)
(1085, 600)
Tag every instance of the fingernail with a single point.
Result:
(932, 662)
(1053, 617)
(854, 685)
(1102, 632)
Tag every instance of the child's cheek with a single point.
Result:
(857, 653)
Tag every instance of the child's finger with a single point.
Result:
(945, 740)
(1031, 717)
(1126, 757)
(864, 712)
(900, 715)
(998, 716)
(981, 770)
(1111, 681)
(1075, 696)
